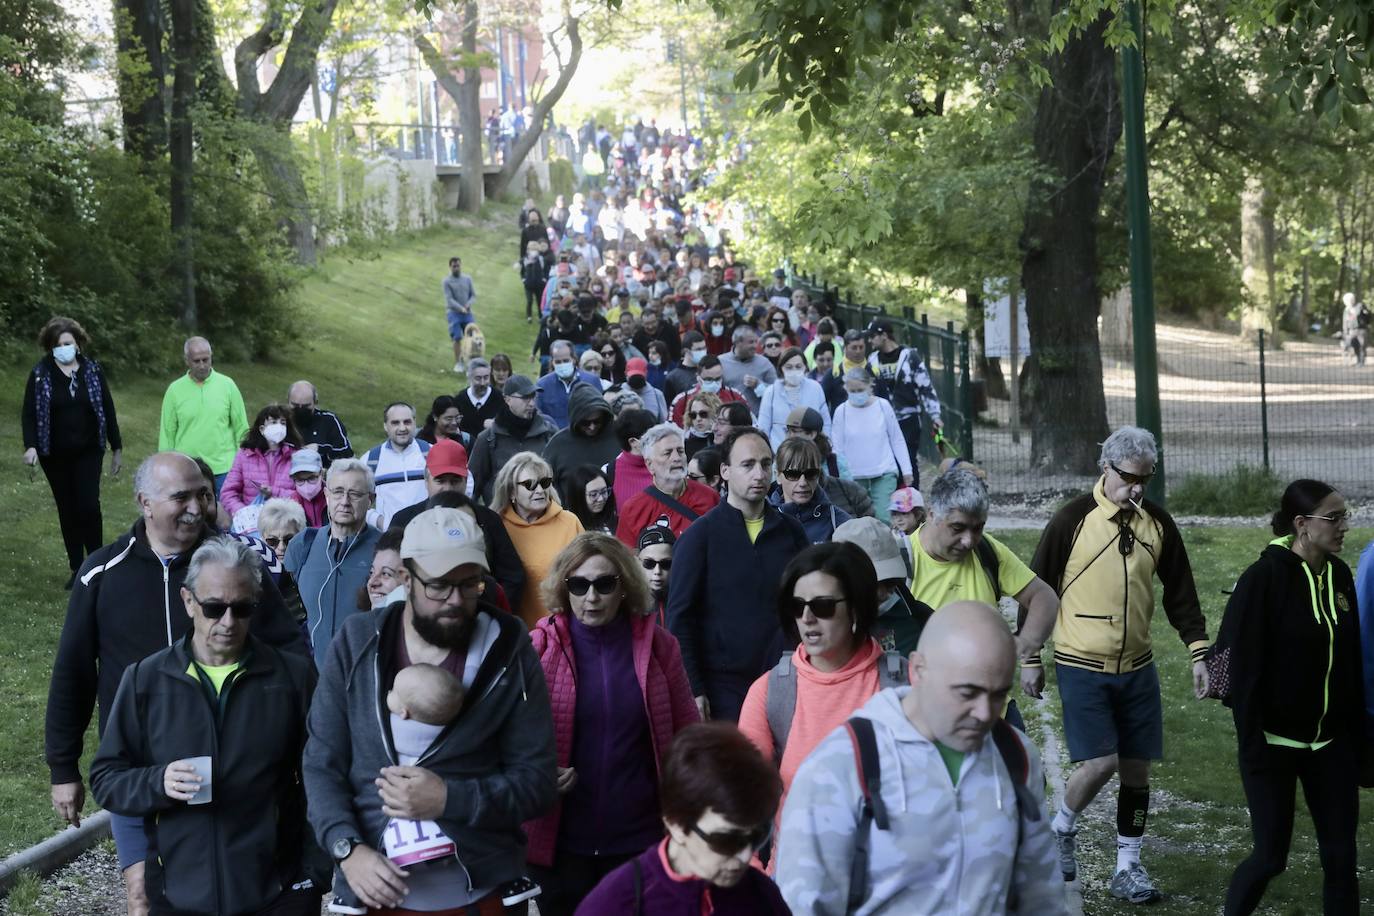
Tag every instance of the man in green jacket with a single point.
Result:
(202, 413)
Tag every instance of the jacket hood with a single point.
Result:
(859, 662)
(511, 517)
(583, 403)
(819, 504)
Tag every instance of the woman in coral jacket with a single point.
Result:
(619, 694)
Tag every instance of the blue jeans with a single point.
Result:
(131, 843)
(219, 483)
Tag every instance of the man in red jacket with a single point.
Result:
(672, 496)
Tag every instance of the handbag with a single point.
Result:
(1218, 664)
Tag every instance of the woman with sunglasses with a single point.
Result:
(719, 799)
(798, 491)
(792, 390)
(778, 322)
(524, 496)
(700, 420)
(619, 693)
(590, 498)
(1291, 637)
(827, 602)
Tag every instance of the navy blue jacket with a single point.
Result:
(551, 395)
(819, 518)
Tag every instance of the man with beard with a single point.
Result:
(518, 427)
(488, 772)
(672, 500)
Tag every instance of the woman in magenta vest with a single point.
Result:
(619, 694)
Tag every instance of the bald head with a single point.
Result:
(961, 675)
(965, 627)
(172, 498)
(302, 394)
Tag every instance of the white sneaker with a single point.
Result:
(1134, 885)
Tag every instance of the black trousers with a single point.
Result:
(532, 297)
(1270, 775)
(75, 482)
(570, 879)
(911, 434)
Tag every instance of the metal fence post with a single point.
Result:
(965, 398)
(1264, 403)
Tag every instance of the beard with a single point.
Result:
(444, 632)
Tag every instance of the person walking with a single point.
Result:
(791, 392)
(202, 412)
(903, 379)
(397, 465)
(869, 441)
(68, 419)
(321, 430)
(262, 467)
(538, 525)
(798, 492)
(459, 298)
(671, 499)
(518, 427)
(619, 694)
(1292, 638)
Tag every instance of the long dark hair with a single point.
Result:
(574, 487)
(848, 565)
(1301, 498)
(253, 438)
(441, 404)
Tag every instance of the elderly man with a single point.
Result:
(961, 829)
(555, 388)
(209, 779)
(202, 412)
(1101, 553)
(397, 465)
(519, 427)
(477, 403)
(672, 501)
(745, 369)
(113, 621)
(492, 769)
(330, 564)
(321, 430)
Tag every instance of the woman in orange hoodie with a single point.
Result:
(539, 527)
(828, 601)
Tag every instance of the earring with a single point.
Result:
(854, 627)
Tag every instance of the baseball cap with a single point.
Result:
(907, 499)
(637, 366)
(780, 274)
(655, 534)
(880, 326)
(306, 461)
(447, 457)
(873, 538)
(729, 274)
(808, 418)
(518, 386)
(440, 540)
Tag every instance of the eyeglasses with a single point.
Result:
(439, 590)
(795, 474)
(1335, 518)
(578, 585)
(773, 345)
(215, 609)
(275, 542)
(543, 483)
(733, 842)
(598, 495)
(651, 564)
(699, 414)
(823, 608)
(352, 496)
(1131, 479)
(697, 477)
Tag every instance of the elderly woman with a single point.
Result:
(827, 602)
(1291, 635)
(278, 523)
(307, 481)
(869, 442)
(619, 695)
(68, 417)
(719, 798)
(539, 527)
(798, 490)
(262, 467)
(791, 391)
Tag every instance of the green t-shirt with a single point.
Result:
(954, 761)
(217, 674)
(938, 583)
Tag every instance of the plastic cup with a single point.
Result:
(203, 770)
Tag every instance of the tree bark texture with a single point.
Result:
(1077, 125)
(466, 94)
(1256, 260)
(535, 129)
(141, 75)
(185, 59)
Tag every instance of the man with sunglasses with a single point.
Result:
(1101, 552)
(124, 606)
(671, 500)
(654, 549)
(491, 770)
(203, 746)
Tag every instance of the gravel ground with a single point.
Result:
(89, 886)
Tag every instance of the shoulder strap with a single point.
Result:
(639, 887)
(872, 810)
(374, 455)
(988, 559)
(678, 507)
(892, 671)
(781, 704)
(1017, 761)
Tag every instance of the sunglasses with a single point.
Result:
(823, 608)
(543, 483)
(699, 414)
(733, 842)
(651, 565)
(1131, 479)
(578, 585)
(215, 609)
(795, 474)
(278, 542)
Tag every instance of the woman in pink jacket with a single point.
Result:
(619, 694)
(263, 464)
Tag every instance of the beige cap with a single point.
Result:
(873, 538)
(440, 540)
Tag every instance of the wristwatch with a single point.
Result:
(343, 847)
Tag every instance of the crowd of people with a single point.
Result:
(670, 627)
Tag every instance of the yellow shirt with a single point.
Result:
(752, 527)
(217, 674)
(937, 582)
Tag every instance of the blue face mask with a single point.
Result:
(710, 386)
(64, 354)
(563, 370)
(742, 310)
(859, 398)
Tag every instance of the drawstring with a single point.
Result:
(1318, 614)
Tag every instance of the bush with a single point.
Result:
(1243, 490)
(562, 179)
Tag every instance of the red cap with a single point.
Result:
(447, 457)
(637, 366)
(729, 274)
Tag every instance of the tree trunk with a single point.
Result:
(141, 74)
(535, 129)
(1077, 124)
(185, 60)
(988, 371)
(1256, 261)
(466, 94)
(281, 174)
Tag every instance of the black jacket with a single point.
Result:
(239, 851)
(1295, 665)
(569, 448)
(327, 431)
(474, 419)
(124, 606)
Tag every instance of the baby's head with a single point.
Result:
(425, 693)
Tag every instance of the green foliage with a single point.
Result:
(562, 179)
(1242, 491)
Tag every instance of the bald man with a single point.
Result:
(202, 412)
(963, 834)
(321, 430)
(125, 605)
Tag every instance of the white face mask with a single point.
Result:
(274, 432)
(888, 603)
(793, 377)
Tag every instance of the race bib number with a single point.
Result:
(413, 842)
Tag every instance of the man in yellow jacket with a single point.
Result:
(202, 413)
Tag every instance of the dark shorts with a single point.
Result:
(1107, 714)
(131, 843)
(457, 323)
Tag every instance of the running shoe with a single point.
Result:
(1134, 885)
(1067, 844)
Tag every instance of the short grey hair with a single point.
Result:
(557, 344)
(958, 490)
(351, 464)
(314, 392)
(743, 331)
(281, 513)
(654, 433)
(1129, 443)
(143, 476)
(477, 362)
(226, 553)
(186, 347)
(625, 400)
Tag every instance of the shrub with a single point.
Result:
(1243, 490)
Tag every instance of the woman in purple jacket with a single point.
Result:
(719, 796)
